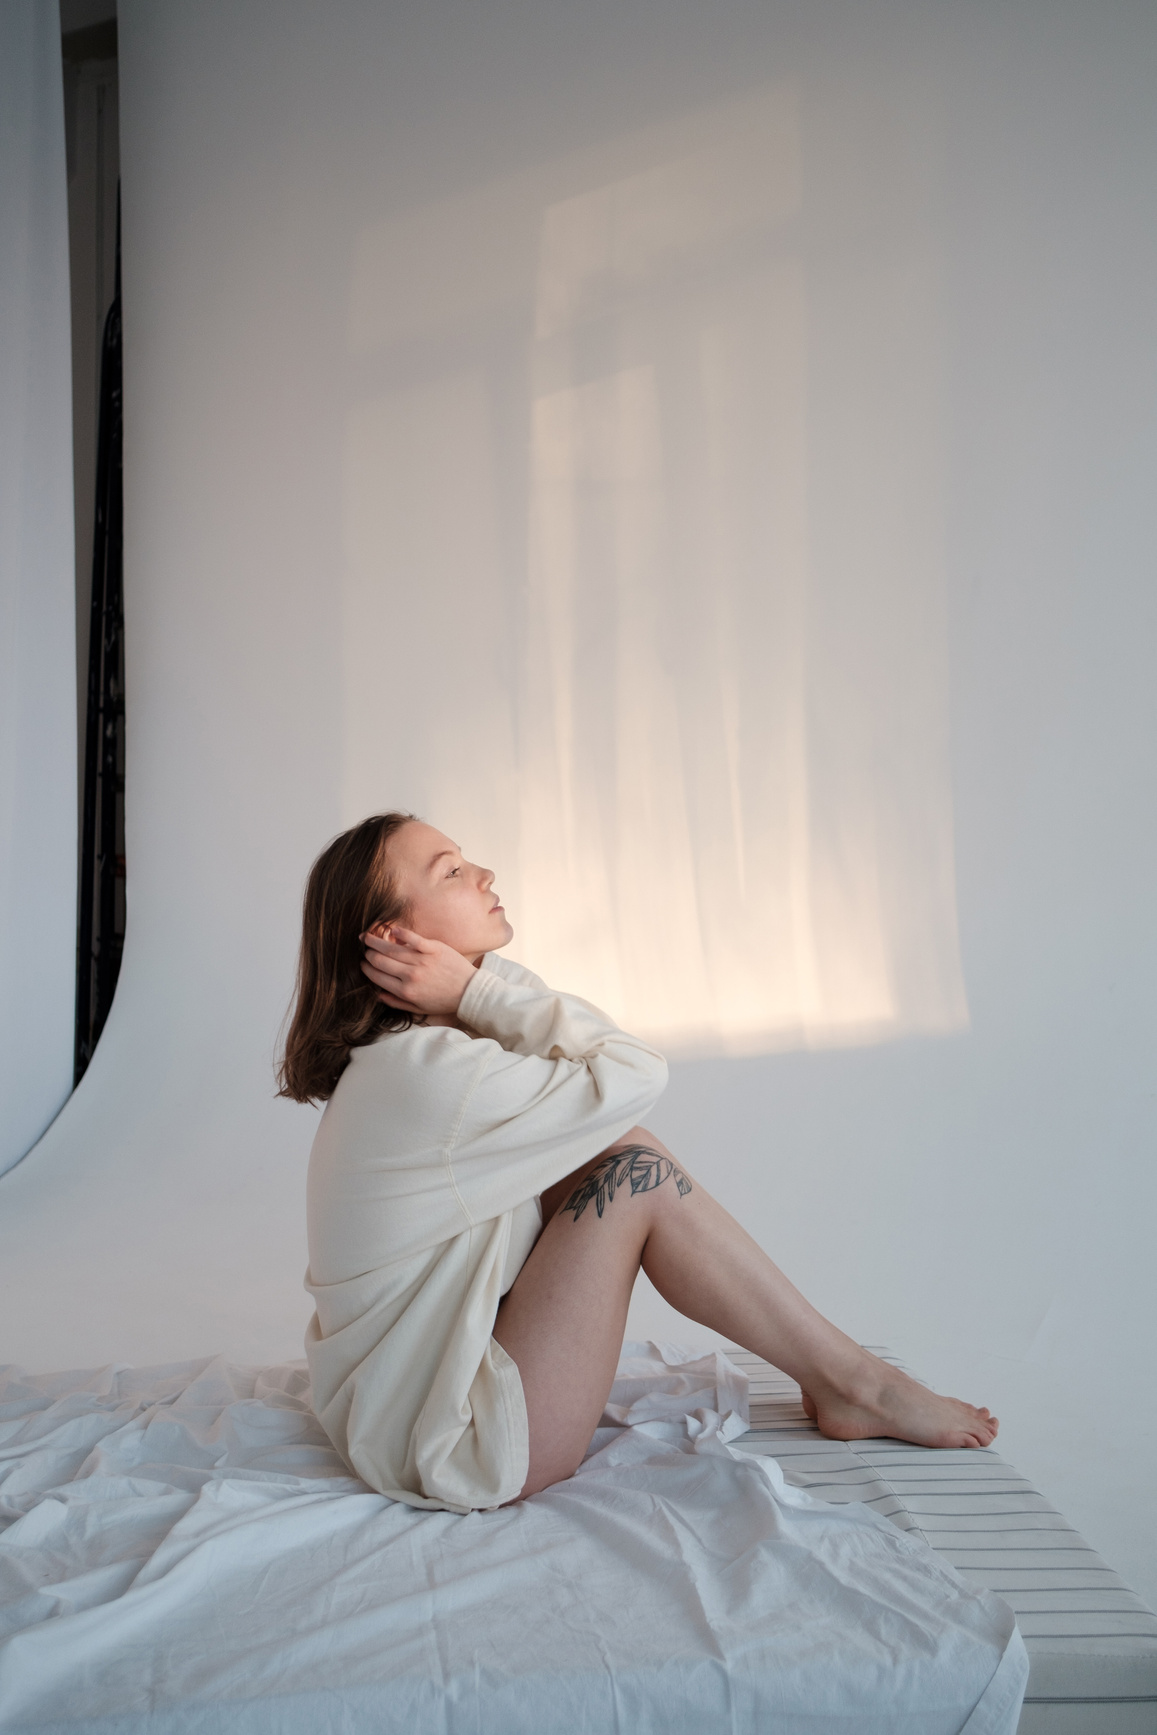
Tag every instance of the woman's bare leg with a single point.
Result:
(563, 1320)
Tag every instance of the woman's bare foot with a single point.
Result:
(888, 1403)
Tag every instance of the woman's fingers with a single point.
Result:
(378, 943)
(426, 975)
(391, 964)
(384, 955)
(407, 937)
(384, 975)
(396, 940)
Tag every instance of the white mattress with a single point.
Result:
(1091, 1641)
(184, 1554)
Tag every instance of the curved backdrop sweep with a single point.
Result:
(700, 457)
(37, 587)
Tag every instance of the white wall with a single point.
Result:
(37, 635)
(331, 584)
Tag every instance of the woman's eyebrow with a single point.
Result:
(434, 860)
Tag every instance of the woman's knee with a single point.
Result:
(637, 1136)
(637, 1163)
(641, 1169)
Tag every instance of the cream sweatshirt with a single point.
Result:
(422, 1208)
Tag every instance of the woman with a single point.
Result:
(481, 1199)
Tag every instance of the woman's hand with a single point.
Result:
(414, 974)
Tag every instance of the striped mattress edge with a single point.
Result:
(1091, 1641)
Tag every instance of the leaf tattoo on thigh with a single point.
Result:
(636, 1166)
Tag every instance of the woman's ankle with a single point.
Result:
(855, 1377)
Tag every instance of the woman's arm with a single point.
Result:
(555, 1079)
(557, 1082)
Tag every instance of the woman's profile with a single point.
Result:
(482, 1197)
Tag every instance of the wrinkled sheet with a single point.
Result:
(183, 1551)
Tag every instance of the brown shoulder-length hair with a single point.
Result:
(335, 1007)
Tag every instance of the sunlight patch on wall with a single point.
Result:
(644, 593)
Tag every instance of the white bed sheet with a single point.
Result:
(184, 1552)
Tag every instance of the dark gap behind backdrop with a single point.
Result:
(91, 92)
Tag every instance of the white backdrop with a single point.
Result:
(37, 590)
(700, 456)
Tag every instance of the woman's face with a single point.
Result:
(450, 898)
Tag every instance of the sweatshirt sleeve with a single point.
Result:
(511, 971)
(556, 1082)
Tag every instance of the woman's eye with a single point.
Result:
(452, 872)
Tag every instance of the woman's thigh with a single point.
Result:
(563, 1320)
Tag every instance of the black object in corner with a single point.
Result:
(100, 938)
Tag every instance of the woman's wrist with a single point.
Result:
(468, 978)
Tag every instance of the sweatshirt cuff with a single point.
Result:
(483, 988)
